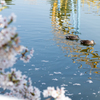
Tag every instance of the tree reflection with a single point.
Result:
(9, 2)
(94, 4)
(61, 16)
(64, 13)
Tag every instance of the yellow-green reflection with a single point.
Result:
(60, 17)
(63, 17)
(92, 4)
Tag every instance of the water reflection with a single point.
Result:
(64, 15)
(61, 13)
(9, 2)
(93, 5)
(32, 2)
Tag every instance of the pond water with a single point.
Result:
(43, 25)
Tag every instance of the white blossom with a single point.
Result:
(58, 94)
(12, 17)
(17, 83)
(54, 94)
(45, 93)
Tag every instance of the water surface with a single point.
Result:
(43, 25)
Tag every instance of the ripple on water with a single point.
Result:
(44, 61)
(57, 73)
(90, 81)
(77, 84)
(55, 79)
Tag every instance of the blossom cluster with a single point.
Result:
(9, 49)
(4, 21)
(18, 85)
(58, 94)
(9, 44)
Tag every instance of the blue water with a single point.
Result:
(52, 63)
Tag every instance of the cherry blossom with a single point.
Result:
(12, 17)
(18, 85)
(57, 94)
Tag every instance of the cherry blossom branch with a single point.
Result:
(14, 81)
(18, 85)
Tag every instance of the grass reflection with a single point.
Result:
(63, 24)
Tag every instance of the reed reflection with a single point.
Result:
(64, 15)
